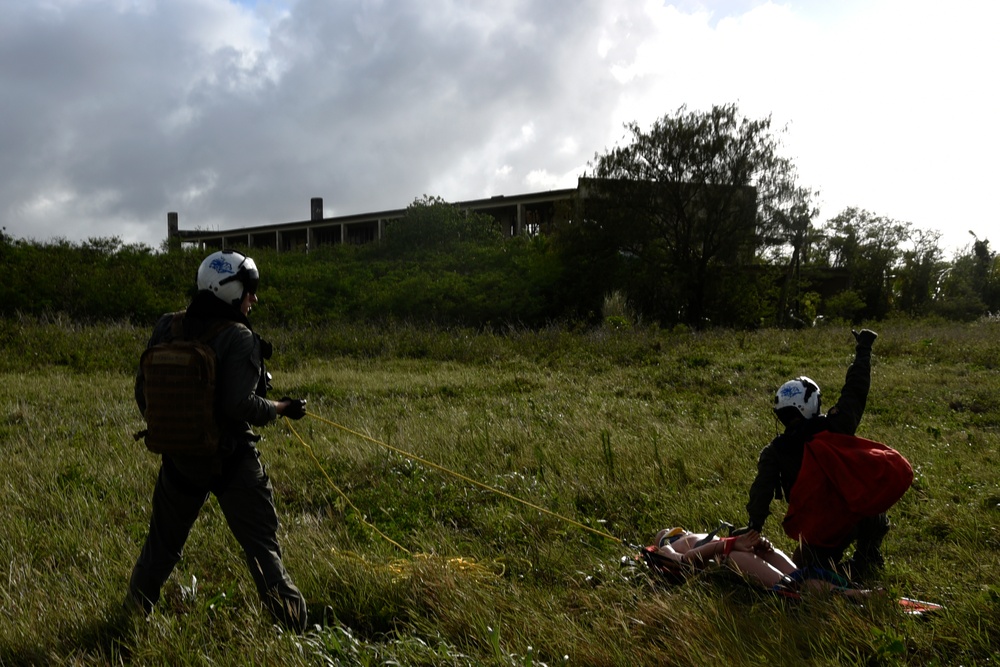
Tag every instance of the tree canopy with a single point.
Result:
(698, 220)
(693, 203)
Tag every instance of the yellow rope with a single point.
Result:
(453, 474)
(361, 517)
(399, 568)
(465, 565)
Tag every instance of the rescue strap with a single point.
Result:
(361, 516)
(435, 466)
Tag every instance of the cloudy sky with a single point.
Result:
(235, 113)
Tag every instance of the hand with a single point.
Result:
(293, 408)
(763, 546)
(865, 337)
(747, 541)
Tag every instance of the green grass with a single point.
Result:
(622, 431)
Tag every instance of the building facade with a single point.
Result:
(528, 214)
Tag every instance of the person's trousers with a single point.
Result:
(867, 534)
(246, 498)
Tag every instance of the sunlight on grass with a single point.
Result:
(623, 431)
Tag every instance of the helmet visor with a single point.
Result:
(247, 275)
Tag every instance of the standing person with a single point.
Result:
(797, 407)
(227, 290)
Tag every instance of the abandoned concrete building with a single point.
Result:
(518, 214)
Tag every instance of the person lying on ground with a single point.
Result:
(750, 555)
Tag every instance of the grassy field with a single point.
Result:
(616, 433)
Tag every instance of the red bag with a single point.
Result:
(843, 479)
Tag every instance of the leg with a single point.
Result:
(818, 579)
(747, 563)
(176, 503)
(867, 557)
(248, 503)
(809, 556)
(779, 560)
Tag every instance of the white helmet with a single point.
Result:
(801, 394)
(228, 275)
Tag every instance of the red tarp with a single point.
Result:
(843, 479)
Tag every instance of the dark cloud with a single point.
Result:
(237, 113)
(117, 113)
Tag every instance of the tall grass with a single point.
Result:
(622, 431)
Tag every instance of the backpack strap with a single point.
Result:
(177, 325)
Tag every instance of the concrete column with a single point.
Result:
(173, 232)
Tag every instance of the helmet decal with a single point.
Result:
(220, 265)
(790, 391)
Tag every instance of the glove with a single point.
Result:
(296, 408)
(865, 337)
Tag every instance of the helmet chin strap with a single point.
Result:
(791, 421)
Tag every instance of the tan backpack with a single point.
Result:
(179, 388)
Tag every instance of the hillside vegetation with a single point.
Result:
(445, 267)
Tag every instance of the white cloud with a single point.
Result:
(539, 179)
(236, 113)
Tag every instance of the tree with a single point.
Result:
(971, 287)
(799, 236)
(431, 224)
(691, 202)
(917, 277)
(439, 263)
(868, 247)
(985, 273)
